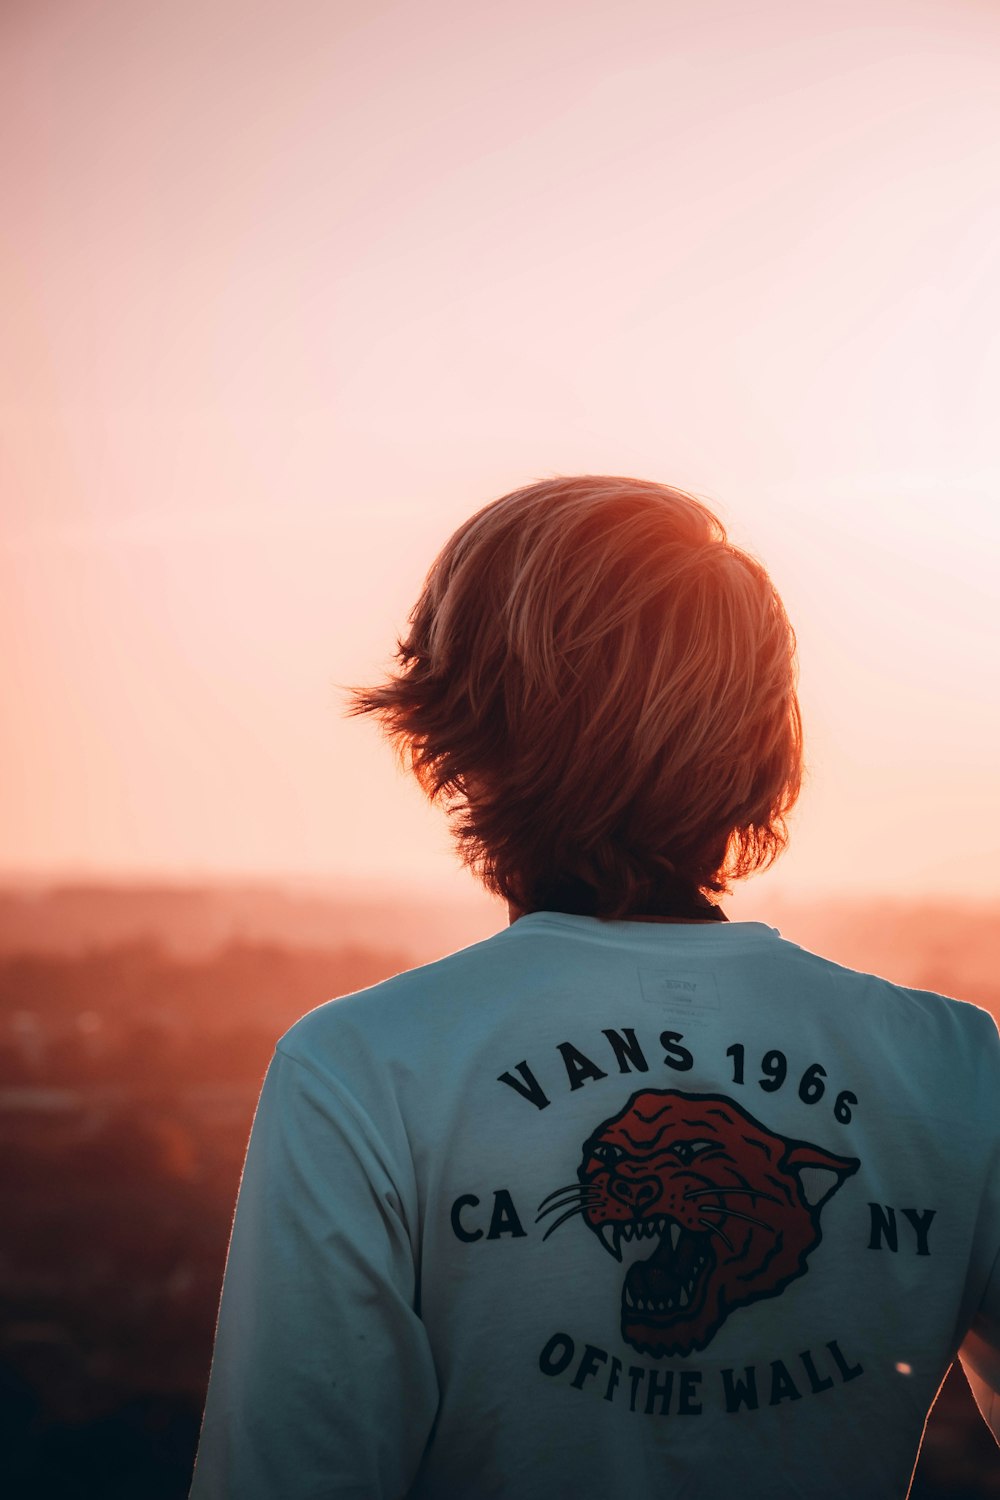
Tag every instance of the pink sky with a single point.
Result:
(289, 290)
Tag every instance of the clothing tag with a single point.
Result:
(678, 992)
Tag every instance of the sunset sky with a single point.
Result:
(291, 289)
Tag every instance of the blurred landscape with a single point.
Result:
(136, 1023)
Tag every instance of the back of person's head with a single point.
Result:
(601, 688)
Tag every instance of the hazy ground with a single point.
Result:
(135, 1027)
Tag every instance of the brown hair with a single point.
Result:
(601, 687)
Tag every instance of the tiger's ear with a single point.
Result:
(820, 1173)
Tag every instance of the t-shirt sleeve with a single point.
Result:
(322, 1380)
(980, 1354)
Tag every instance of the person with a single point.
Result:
(629, 1198)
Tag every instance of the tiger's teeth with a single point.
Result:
(675, 1234)
(609, 1240)
(684, 1299)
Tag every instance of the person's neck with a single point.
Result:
(513, 912)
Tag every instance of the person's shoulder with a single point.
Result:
(959, 1024)
(396, 1002)
(881, 996)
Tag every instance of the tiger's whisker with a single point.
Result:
(563, 1220)
(727, 1192)
(571, 1187)
(580, 1192)
(716, 1230)
(565, 1203)
(731, 1213)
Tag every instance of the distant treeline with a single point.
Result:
(128, 1081)
(137, 1013)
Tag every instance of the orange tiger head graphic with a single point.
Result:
(729, 1211)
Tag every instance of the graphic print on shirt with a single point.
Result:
(730, 1210)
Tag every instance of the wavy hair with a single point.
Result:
(601, 688)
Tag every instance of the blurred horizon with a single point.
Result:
(928, 943)
(749, 899)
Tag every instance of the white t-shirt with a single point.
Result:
(610, 1208)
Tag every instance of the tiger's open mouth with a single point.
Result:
(670, 1284)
